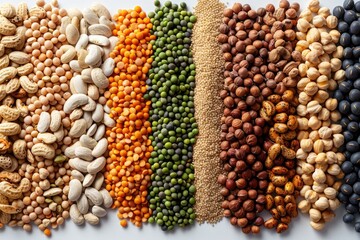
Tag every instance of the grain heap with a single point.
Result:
(208, 109)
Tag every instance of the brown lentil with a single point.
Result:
(208, 109)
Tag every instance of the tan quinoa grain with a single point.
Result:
(208, 109)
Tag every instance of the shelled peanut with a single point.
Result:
(46, 126)
(279, 111)
(127, 170)
(87, 53)
(14, 65)
(320, 135)
(243, 43)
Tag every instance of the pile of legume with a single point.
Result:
(208, 109)
(279, 110)
(88, 33)
(14, 65)
(319, 134)
(171, 90)
(243, 129)
(348, 94)
(46, 204)
(128, 170)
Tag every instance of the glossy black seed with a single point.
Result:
(353, 117)
(344, 122)
(345, 39)
(348, 4)
(351, 208)
(344, 107)
(357, 84)
(347, 63)
(357, 226)
(353, 127)
(345, 86)
(348, 218)
(348, 53)
(355, 160)
(346, 189)
(350, 16)
(355, 40)
(357, 6)
(343, 27)
(354, 199)
(338, 11)
(356, 52)
(355, 108)
(355, 27)
(354, 95)
(352, 73)
(356, 188)
(350, 178)
(342, 198)
(347, 167)
(338, 95)
(348, 136)
(352, 146)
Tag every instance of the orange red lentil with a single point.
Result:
(127, 170)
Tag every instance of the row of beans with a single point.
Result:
(110, 114)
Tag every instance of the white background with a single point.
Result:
(110, 229)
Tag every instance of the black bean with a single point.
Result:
(338, 95)
(348, 136)
(350, 16)
(356, 188)
(348, 4)
(358, 139)
(344, 107)
(347, 167)
(355, 27)
(353, 127)
(352, 146)
(338, 12)
(357, 226)
(352, 73)
(348, 218)
(342, 198)
(343, 27)
(355, 160)
(350, 178)
(344, 122)
(354, 199)
(346, 189)
(345, 39)
(357, 6)
(353, 117)
(347, 63)
(355, 108)
(351, 208)
(356, 52)
(355, 40)
(357, 84)
(348, 53)
(345, 86)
